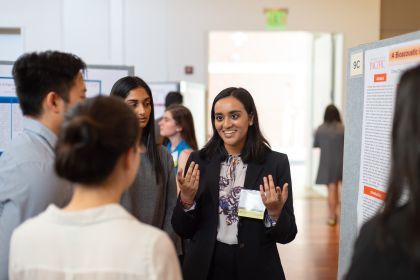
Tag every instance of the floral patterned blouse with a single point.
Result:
(231, 182)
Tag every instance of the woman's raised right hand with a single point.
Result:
(188, 184)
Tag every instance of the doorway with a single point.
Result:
(292, 77)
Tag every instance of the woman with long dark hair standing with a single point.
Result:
(153, 194)
(388, 246)
(330, 138)
(235, 199)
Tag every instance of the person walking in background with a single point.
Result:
(47, 84)
(93, 237)
(388, 246)
(177, 128)
(236, 167)
(330, 138)
(152, 196)
(172, 98)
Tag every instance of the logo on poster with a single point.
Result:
(377, 64)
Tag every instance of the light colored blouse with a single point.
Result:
(99, 243)
(231, 182)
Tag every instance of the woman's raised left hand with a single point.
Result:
(273, 196)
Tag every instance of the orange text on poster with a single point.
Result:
(411, 53)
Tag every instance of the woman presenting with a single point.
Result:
(236, 168)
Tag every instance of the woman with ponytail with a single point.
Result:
(93, 237)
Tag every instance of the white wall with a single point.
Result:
(160, 37)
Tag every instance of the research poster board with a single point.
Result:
(159, 92)
(98, 78)
(383, 68)
(373, 71)
(195, 99)
(10, 113)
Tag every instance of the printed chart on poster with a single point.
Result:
(98, 79)
(383, 68)
(10, 114)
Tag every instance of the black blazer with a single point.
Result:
(258, 256)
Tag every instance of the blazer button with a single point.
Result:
(241, 245)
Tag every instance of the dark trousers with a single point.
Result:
(225, 262)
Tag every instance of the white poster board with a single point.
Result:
(99, 80)
(159, 92)
(383, 67)
(195, 99)
(10, 114)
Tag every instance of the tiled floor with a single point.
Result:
(313, 255)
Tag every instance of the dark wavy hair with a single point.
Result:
(256, 146)
(405, 167)
(183, 117)
(332, 114)
(37, 74)
(121, 89)
(94, 135)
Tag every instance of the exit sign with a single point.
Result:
(276, 18)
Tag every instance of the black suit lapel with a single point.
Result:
(212, 179)
(253, 173)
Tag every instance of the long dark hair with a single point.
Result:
(405, 166)
(121, 89)
(256, 146)
(332, 114)
(183, 117)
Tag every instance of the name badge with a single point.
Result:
(251, 205)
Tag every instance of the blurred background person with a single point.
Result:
(330, 138)
(177, 130)
(152, 196)
(172, 98)
(93, 237)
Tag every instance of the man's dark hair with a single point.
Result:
(173, 97)
(37, 74)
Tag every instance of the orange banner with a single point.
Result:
(411, 53)
(374, 193)
(377, 78)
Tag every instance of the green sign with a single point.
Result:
(276, 18)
